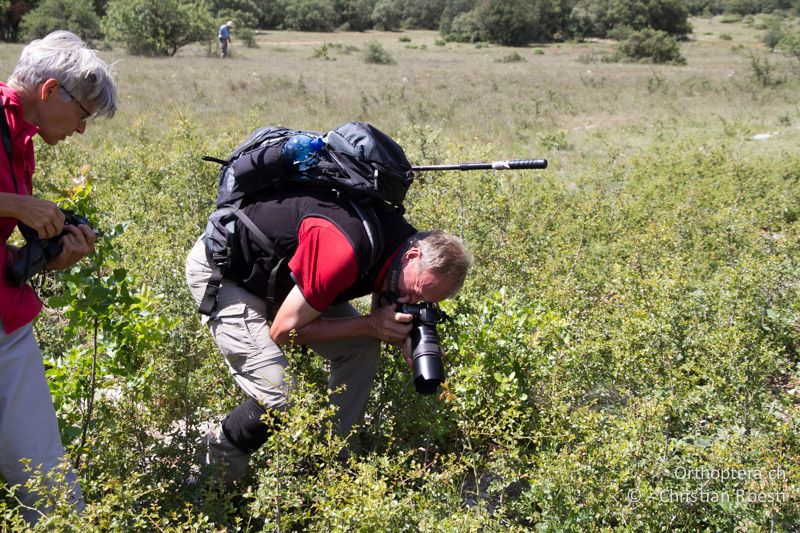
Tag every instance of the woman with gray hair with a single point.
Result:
(57, 86)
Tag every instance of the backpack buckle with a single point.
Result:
(220, 259)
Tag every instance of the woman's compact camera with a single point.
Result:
(37, 252)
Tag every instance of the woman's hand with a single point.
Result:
(78, 243)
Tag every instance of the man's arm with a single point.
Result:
(295, 314)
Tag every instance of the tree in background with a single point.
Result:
(309, 15)
(451, 10)
(11, 13)
(100, 7)
(386, 15)
(596, 18)
(508, 22)
(354, 15)
(670, 16)
(77, 16)
(752, 7)
(466, 27)
(157, 27)
(245, 13)
(422, 14)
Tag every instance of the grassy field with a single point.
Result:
(559, 94)
(628, 336)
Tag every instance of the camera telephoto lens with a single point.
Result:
(427, 359)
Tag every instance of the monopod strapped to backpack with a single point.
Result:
(361, 163)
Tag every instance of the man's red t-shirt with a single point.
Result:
(324, 264)
(18, 306)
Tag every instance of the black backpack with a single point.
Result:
(364, 165)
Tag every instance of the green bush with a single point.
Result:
(247, 36)
(77, 16)
(323, 52)
(554, 141)
(157, 27)
(513, 57)
(775, 32)
(764, 72)
(652, 46)
(730, 19)
(621, 327)
(620, 32)
(376, 53)
(790, 43)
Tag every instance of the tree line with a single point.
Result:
(160, 27)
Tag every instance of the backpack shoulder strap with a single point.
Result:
(219, 265)
(373, 229)
(5, 131)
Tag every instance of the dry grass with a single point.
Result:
(599, 110)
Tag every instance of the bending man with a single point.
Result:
(326, 256)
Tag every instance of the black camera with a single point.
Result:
(37, 252)
(426, 351)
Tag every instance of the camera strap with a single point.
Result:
(5, 132)
(393, 277)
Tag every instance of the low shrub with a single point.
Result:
(248, 37)
(513, 57)
(376, 53)
(651, 46)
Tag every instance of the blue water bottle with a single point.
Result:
(301, 151)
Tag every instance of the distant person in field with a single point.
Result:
(57, 86)
(225, 38)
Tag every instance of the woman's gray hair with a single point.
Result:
(444, 254)
(63, 56)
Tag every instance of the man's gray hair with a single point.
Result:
(63, 56)
(444, 254)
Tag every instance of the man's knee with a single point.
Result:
(245, 426)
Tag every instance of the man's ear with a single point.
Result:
(412, 253)
(47, 89)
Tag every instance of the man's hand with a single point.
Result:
(389, 325)
(78, 243)
(43, 216)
